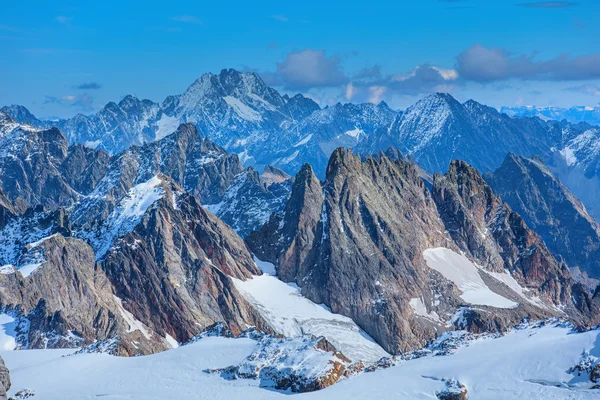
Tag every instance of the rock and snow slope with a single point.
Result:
(522, 364)
(291, 314)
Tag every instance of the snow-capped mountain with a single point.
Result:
(237, 111)
(317, 136)
(121, 257)
(589, 114)
(23, 116)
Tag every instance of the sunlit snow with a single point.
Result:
(465, 275)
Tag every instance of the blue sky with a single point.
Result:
(63, 57)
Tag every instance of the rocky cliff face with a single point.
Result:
(153, 267)
(4, 380)
(62, 298)
(157, 270)
(251, 198)
(372, 243)
(550, 209)
(496, 237)
(38, 167)
(173, 269)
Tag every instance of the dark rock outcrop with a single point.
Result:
(551, 210)
(356, 243)
(67, 301)
(174, 269)
(4, 380)
(39, 168)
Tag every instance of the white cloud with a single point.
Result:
(481, 64)
(307, 69)
(350, 91)
(376, 93)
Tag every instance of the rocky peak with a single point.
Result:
(22, 115)
(550, 209)
(497, 237)
(7, 124)
(367, 242)
(273, 175)
(340, 160)
(300, 106)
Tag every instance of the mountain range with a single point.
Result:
(589, 114)
(371, 237)
(240, 113)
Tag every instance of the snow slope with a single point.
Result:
(291, 314)
(126, 216)
(523, 364)
(465, 275)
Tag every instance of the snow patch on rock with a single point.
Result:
(291, 314)
(465, 275)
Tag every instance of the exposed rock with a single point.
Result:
(356, 242)
(23, 394)
(67, 301)
(33, 225)
(273, 175)
(454, 391)
(37, 167)
(4, 380)
(249, 201)
(351, 227)
(494, 235)
(551, 210)
(173, 269)
(302, 364)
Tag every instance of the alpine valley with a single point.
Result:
(233, 242)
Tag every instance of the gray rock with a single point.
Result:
(4, 380)
(355, 242)
(551, 210)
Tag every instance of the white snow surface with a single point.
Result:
(30, 268)
(569, 155)
(7, 332)
(304, 140)
(242, 109)
(126, 215)
(166, 126)
(419, 308)
(523, 364)
(291, 314)
(465, 275)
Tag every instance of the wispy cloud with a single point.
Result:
(187, 19)
(83, 102)
(88, 86)
(548, 4)
(63, 19)
(307, 69)
(482, 64)
(9, 28)
(281, 18)
(592, 90)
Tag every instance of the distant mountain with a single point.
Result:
(238, 112)
(550, 209)
(439, 129)
(241, 114)
(22, 115)
(589, 114)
